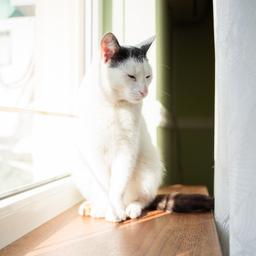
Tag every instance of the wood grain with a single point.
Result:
(155, 233)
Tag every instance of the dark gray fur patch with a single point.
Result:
(124, 53)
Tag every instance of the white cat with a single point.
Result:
(120, 171)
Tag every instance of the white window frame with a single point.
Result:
(23, 212)
(93, 29)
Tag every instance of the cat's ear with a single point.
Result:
(145, 45)
(109, 46)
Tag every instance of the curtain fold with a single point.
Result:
(235, 125)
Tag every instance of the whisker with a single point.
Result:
(165, 66)
(166, 93)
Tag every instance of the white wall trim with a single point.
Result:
(24, 212)
(118, 18)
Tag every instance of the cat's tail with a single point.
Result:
(186, 203)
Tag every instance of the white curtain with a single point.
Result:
(235, 125)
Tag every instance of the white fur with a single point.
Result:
(119, 170)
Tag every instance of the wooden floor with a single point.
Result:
(156, 233)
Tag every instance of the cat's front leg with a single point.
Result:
(121, 171)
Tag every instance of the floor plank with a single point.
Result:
(156, 233)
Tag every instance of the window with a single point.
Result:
(45, 48)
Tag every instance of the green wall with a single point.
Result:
(107, 16)
(185, 61)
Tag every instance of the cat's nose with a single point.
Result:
(144, 92)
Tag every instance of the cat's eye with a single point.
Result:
(147, 77)
(132, 77)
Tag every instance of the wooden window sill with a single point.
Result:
(156, 233)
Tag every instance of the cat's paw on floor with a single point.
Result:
(133, 210)
(115, 215)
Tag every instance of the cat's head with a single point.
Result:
(126, 69)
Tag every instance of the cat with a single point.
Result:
(119, 170)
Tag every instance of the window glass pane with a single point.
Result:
(40, 70)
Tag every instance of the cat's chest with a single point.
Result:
(107, 128)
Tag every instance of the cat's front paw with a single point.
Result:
(133, 210)
(115, 214)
